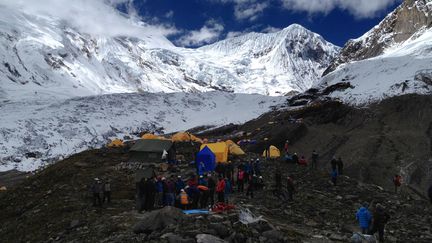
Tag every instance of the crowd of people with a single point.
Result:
(200, 191)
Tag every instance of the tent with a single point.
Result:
(206, 160)
(151, 150)
(274, 152)
(116, 143)
(233, 148)
(185, 137)
(152, 136)
(220, 150)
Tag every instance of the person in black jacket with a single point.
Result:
(290, 187)
(379, 220)
(212, 187)
(314, 160)
(333, 164)
(149, 194)
(340, 166)
(96, 189)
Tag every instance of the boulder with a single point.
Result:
(274, 235)
(159, 219)
(206, 238)
(220, 229)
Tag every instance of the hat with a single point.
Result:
(163, 178)
(201, 176)
(260, 177)
(96, 179)
(179, 176)
(182, 190)
(257, 159)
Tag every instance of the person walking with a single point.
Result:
(340, 166)
(364, 218)
(397, 181)
(96, 189)
(106, 192)
(379, 220)
(220, 190)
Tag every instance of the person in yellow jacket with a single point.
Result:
(184, 199)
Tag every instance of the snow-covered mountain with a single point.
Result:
(37, 133)
(43, 56)
(393, 58)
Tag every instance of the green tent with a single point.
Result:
(151, 151)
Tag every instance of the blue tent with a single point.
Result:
(206, 160)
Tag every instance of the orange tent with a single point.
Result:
(116, 143)
(185, 137)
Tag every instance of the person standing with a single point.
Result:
(379, 220)
(240, 180)
(290, 188)
(334, 176)
(251, 186)
(220, 190)
(315, 160)
(204, 191)
(364, 218)
(107, 192)
(141, 199)
(340, 166)
(179, 184)
(397, 181)
(333, 164)
(295, 158)
(286, 146)
(228, 189)
(96, 189)
(212, 188)
(149, 194)
(184, 199)
(257, 167)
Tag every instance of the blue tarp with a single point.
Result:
(196, 211)
(206, 160)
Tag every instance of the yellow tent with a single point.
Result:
(185, 137)
(233, 148)
(219, 149)
(116, 143)
(274, 152)
(149, 136)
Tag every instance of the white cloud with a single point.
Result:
(209, 33)
(97, 17)
(247, 9)
(270, 29)
(358, 8)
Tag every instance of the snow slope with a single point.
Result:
(42, 56)
(402, 69)
(51, 129)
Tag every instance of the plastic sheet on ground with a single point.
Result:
(196, 211)
(361, 238)
(247, 217)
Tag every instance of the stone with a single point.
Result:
(273, 235)
(221, 230)
(159, 219)
(206, 238)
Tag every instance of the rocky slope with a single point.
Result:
(54, 206)
(376, 142)
(46, 56)
(404, 23)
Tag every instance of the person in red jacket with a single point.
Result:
(286, 146)
(397, 181)
(220, 190)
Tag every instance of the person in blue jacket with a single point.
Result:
(364, 218)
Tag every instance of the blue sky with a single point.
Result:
(199, 22)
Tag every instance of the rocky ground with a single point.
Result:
(55, 206)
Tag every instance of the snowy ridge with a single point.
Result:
(51, 130)
(402, 69)
(290, 59)
(43, 57)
